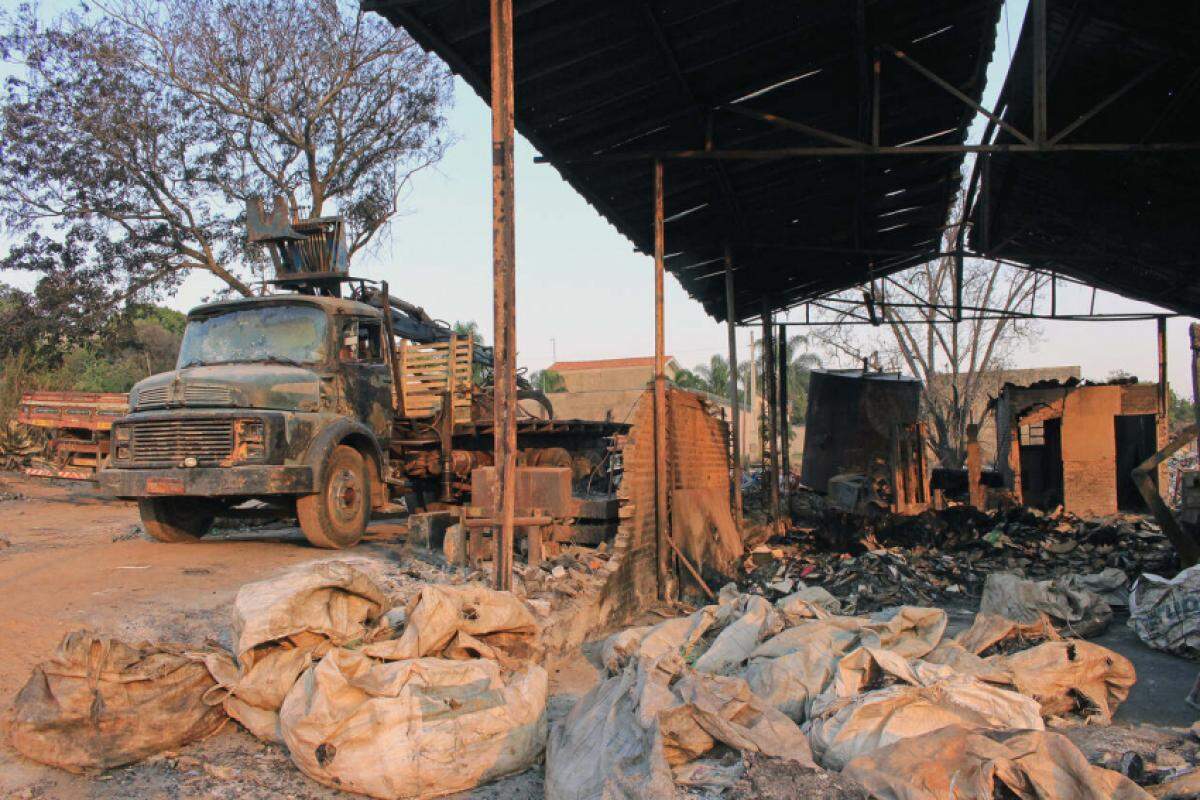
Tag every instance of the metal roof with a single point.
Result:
(1123, 221)
(634, 76)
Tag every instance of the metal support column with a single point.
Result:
(661, 510)
(1195, 331)
(504, 256)
(770, 395)
(735, 405)
(785, 428)
(1164, 398)
(1040, 114)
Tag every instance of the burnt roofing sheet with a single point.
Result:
(646, 76)
(1120, 221)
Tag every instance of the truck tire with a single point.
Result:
(176, 519)
(336, 516)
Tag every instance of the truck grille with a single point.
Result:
(200, 394)
(171, 441)
(154, 397)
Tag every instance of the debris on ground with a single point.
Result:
(1166, 613)
(99, 703)
(774, 779)
(944, 557)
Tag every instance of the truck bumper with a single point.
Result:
(201, 482)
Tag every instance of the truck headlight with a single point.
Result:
(251, 438)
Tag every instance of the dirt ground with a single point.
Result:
(71, 559)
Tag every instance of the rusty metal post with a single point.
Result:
(1164, 400)
(770, 396)
(752, 400)
(661, 520)
(785, 426)
(504, 297)
(1195, 331)
(735, 404)
(389, 330)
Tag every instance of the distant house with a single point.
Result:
(991, 383)
(609, 389)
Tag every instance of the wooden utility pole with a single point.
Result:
(504, 295)
(661, 511)
(734, 402)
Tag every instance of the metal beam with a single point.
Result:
(1105, 103)
(785, 428)
(780, 153)
(504, 257)
(1040, 110)
(792, 125)
(955, 91)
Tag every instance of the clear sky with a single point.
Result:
(582, 291)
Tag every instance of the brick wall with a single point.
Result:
(701, 522)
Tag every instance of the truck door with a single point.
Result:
(368, 376)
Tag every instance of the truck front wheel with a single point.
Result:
(176, 519)
(336, 516)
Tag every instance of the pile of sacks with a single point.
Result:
(885, 699)
(433, 697)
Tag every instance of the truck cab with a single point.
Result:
(283, 398)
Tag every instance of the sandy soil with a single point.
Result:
(70, 559)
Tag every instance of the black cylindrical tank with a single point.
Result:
(851, 416)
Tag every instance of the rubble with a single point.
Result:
(944, 557)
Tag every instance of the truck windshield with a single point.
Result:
(288, 334)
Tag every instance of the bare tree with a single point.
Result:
(919, 334)
(143, 130)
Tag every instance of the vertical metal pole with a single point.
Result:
(772, 409)
(504, 256)
(1162, 432)
(1195, 331)
(1040, 113)
(752, 400)
(661, 520)
(1053, 294)
(735, 404)
(875, 103)
(1163, 388)
(785, 427)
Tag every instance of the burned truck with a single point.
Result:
(325, 399)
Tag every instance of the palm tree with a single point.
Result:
(715, 375)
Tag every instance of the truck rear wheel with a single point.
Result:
(336, 516)
(176, 519)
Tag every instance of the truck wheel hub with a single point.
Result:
(345, 492)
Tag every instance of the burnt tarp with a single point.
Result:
(852, 416)
(1119, 221)
(647, 76)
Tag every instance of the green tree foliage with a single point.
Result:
(130, 347)
(548, 381)
(1181, 411)
(134, 132)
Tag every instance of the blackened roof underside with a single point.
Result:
(662, 75)
(1126, 222)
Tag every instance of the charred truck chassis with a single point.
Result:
(324, 407)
